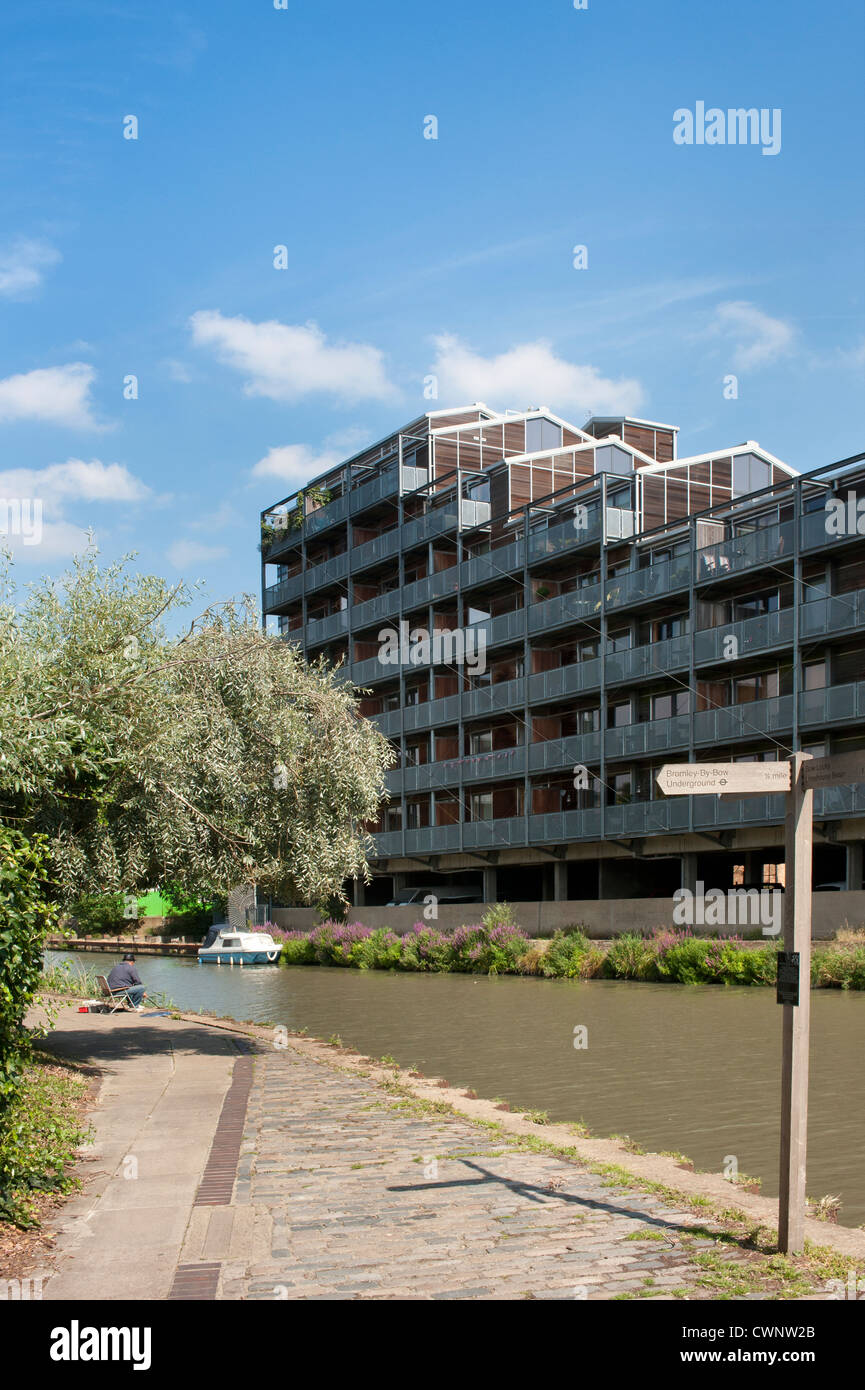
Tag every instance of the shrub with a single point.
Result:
(99, 914)
(425, 948)
(563, 957)
(630, 957)
(380, 950)
(492, 950)
(760, 967)
(39, 1138)
(332, 941)
(297, 948)
(839, 966)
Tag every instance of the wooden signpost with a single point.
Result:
(798, 777)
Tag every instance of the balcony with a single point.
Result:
(423, 591)
(732, 722)
(364, 673)
(326, 572)
(497, 564)
(557, 827)
(764, 546)
(507, 627)
(575, 679)
(433, 839)
(323, 517)
(642, 663)
(841, 613)
(652, 736)
(375, 610)
(371, 552)
(324, 629)
(425, 528)
(492, 834)
(556, 753)
(284, 592)
(432, 713)
(383, 485)
(580, 605)
(751, 635)
(545, 542)
(488, 699)
(844, 704)
(655, 581)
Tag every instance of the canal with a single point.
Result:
(695, 1069)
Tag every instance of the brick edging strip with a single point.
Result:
(217, 1182)
(195, 1282)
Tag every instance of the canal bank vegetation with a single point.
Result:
(496, 946)
(43, 1128)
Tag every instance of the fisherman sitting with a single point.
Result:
(125, 979)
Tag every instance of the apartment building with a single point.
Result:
(544, 614)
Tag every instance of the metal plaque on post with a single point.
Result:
(788, 977)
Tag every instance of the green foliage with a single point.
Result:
(25, 919)
(99, 914)
(215, 759)
(378, 951)
(630, 957)
(565, 956)
(839, 966)
(39, 1136)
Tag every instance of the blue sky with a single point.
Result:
(304, 127)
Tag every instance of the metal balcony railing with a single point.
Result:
(765, 545)
(574, 679)
(579, 605)
(371, 552)
(497, 564)
(323, 629)
(652, 582)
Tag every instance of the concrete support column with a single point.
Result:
(560, 880)
(490, 877)
(359, 893)
(606, 879)
(399, 882)
(689, 871)
(854, 865)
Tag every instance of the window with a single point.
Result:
(619, 715)
(609, 458)
(542, 434)
(750, 474)
(814, 675)
(482, 742)
(481, 806)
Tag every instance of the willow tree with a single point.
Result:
(209, 759)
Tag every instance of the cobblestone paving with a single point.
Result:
(366, 1199)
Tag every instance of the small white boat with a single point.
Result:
(241, 948)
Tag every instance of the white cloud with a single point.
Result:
(184, 553)
(76, 480)
(23, 265)
(758, 340)
(295, 463)
(528, 374)
(59, 540)
(56, 395)
(286, 362)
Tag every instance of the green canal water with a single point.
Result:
(692, 1069)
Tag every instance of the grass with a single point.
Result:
(76, 981)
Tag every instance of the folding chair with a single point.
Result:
(114, 1000)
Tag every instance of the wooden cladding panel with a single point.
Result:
(515, 438)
